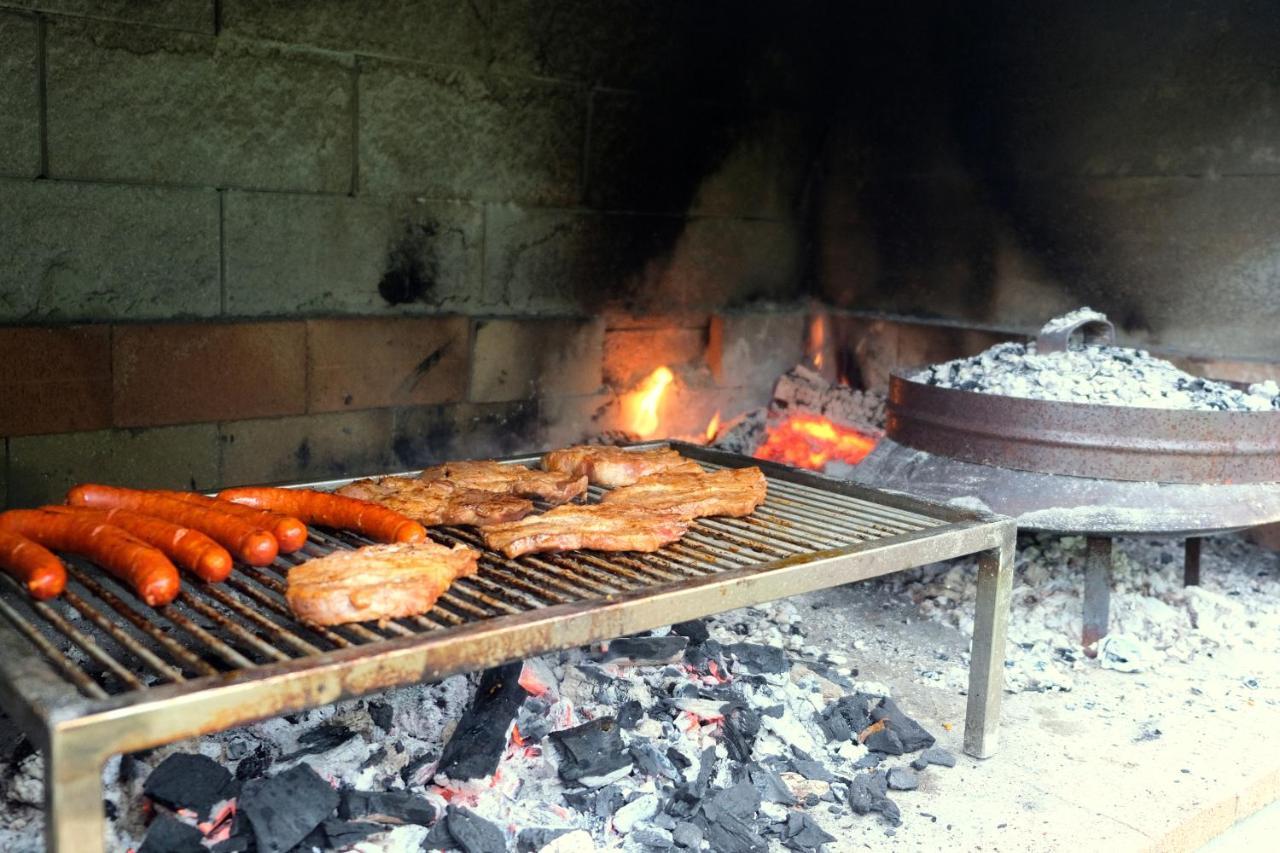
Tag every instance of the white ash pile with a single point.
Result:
(1106, 375)
(803, 390)
(1234, 617)
(729, 734)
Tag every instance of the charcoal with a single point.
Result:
(803, 833)
(592, 749)
(706, 768)
(376, 758)
(732, 834)
(439, 838)
(706, 654)
(481, 736)
(237, 749)
(629, 714)
(609, 800)
(686, 691)
(284, 808)
(868, 793)
(322, 739)
(256, 764)
(694, 629)
(170, 835)
(871, 759)
(678, 758)
(651, 761)
(411, 773)
(652, 836)
(340, 834)
(757, 658)
(910, 733)
(687, 835)
(813, 770)
(645, 651)
(887, 741)
(903, 779)
(934, 755)
(741, 725)
(474, 834)
(386, 807)
(845, 717)
(240, 839)
(770, 785)
(740, 801)
(535, 838)
(381, 713)
(189, 781)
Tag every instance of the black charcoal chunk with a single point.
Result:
(706, 768)
(609, 800)
(687, 835)
(592, 749)
(396, 807)
(678, 758)
(871, 759)
(844, 718)
(439, 838)
(478, 742)
(732, 834)
(645, 651)
(803, 833)
(381, 713)
(934, 755)
(910, 733)
(886, 741)
(284, 808)
(629, 714)
(256, 764)
(755, 657)
(741, 800)
(652, 836)
(651, 761)
(903, 779)
(341, 834)
(868, 793)
(474, 834)
(170, 835)
(190, 781)
(694, 629)
(411, 773)
(322, 739)
(813, 770)
(770, 785)
(535, 838)
(741, 725)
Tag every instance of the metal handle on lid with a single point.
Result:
(1074, 331)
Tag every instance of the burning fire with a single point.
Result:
(817, 339)
(713, 428)
(641, 406)
(811, 441)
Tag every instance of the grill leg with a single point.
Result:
(73, 798)
(986, 662)
(1191, 562)
(1097, 591)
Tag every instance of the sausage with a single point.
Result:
(38, 568)
(290, 533)
(245, 540)
(185, 546)
(146, 569)
(330, 510)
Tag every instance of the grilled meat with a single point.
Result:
(554, 487)
(731, 491)
(616, 466)
(599, 526)
(438, 501)
(376, 582)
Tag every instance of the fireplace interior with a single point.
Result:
(246, 243)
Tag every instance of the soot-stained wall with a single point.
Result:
(997, 163)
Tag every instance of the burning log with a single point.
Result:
(481, 736)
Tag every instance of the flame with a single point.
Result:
(713, 427)
(811, 441)
(817, 339)
(641, 405)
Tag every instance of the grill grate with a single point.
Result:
(113, 644)
(96, 673)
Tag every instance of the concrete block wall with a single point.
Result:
(245, 241)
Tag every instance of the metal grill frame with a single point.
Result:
(78, 733)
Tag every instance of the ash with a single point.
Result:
(1233, 617)
(731, 733)
(1105, 375)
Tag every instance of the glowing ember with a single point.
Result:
(713, 427)
(811, 441)
(641, 405)
(817, 339)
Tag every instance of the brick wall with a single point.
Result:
(251, 241)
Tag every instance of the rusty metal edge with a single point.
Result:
(1083, 439)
